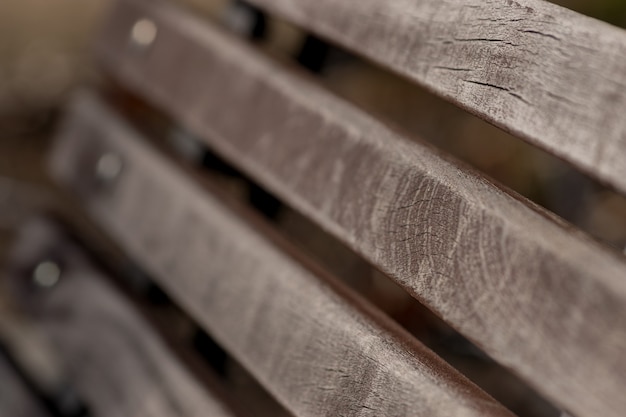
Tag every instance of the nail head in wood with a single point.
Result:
(109, 167)
(144, 32)
(46, 274)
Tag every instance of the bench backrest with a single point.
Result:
(535, 294)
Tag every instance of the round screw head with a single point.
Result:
(46, 274)
(144, 32)
(109, 167)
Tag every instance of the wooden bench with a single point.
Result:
(116, 363)
(536, 295)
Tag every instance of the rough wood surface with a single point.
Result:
(15, 398)
(112, 358)
(538, 297)
(547, 74)
(316, 347)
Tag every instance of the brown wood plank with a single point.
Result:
(112, 358)
(316, 347)
(538, 297)
(547, 74)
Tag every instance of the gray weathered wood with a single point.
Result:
(15, 398)
(111, 356)
(536, 295)
(316, 347)
(547, 74)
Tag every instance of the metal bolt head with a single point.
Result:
(143, 33)
(46, 274)
(109, 167)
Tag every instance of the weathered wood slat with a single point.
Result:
(536, 295)
(113, 359)
(15, 398)
(549, 75)
(317, 348)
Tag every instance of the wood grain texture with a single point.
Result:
(547, 74)
(316, 347)
(112, 358)
(15, 398)
(537, 296)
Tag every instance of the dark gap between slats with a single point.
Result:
(342, 262)
(610, 11)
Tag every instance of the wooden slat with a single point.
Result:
(113, 359)
(15, 398)
(547, 74)
(536, 295)
(314, 346)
